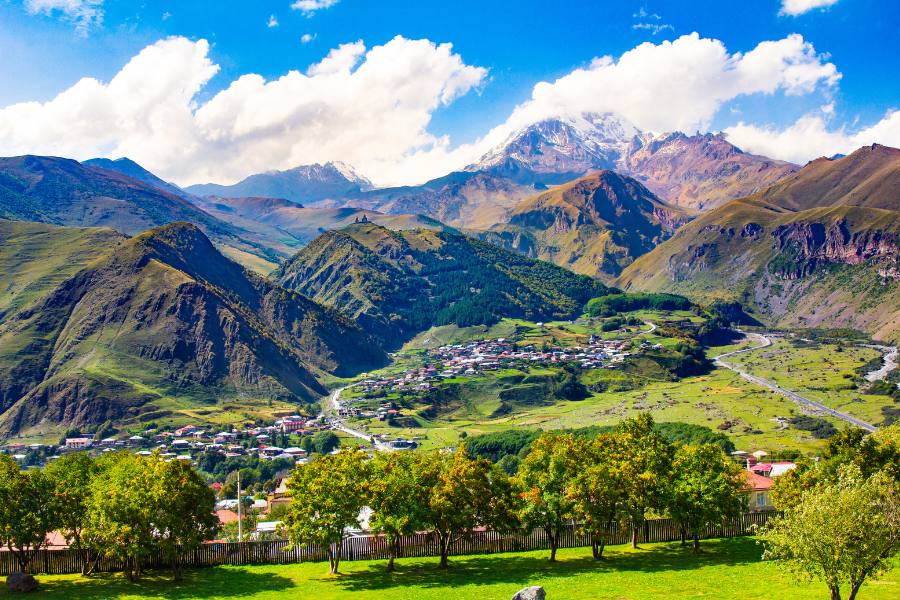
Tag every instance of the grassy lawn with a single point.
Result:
(725, 569)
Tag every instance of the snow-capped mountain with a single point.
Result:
(301, 184)
(699, 171)
(560, 149)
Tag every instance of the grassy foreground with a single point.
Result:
(728, 568)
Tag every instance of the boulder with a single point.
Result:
(23, 582)
(534, 592)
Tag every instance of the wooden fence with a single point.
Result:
(61, 562)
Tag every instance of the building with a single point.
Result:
(78, 443)
(759, 494)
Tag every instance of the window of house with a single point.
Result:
(760, 498)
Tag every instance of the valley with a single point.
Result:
(532, 244)
(751, 415)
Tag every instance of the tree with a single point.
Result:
(29, 510)
(326, 498)
(595, 490)
(123, 509)
(185, 511)
(465, 492)
(542, 481)
(706, 488)
(879, 452)
(74, 475)
(326, 441)
(397, 498)
(644, 468)
(841, 532)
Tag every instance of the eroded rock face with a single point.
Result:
(23, 582)
(806, 245)
(534, 592)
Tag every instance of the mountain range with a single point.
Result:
(300, 184)
(596, 225)
(818, 249)
(156, 324)
(398, 283)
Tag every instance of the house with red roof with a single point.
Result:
(759, 493)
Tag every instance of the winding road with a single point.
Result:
(765, 342)
(335, 423)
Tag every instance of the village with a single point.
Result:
(473, 358)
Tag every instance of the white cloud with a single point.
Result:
(369, 108)
(166, 15)
(83, 13)
(810, 138)
(310, 6)
(307, 38)
(798, 7)
(273, 22)
(678, 85)
(655, 28)
(643, 14)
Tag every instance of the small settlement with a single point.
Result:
(469, 360)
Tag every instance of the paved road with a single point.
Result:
(765, 342)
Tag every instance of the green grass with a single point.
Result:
(725, 569)
(817, 372)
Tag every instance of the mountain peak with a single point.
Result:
(306, 183)
(559, 149)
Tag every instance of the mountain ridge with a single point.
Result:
(163, 320)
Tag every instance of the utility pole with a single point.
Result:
(240, 524)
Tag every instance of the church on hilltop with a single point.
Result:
(364, 219)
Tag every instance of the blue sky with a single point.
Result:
(838, 85)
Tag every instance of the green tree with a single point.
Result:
(842, 532)
(185, 511)
(74, 475)
(706, 488)
(542, 481)
(326, 498)
(465, 492)
(29, 510)
(595, 489)
(397, 498)
(871, 454)
(123, 508)
(326, 441)
(644, 468)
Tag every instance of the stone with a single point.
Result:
(534, 592)
(23, 582)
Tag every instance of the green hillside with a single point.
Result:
(163, 323)
(35, 258)
(832, 267)
(59, 191)
(596, 225)
(398, 283)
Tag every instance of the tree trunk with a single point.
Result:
(445, 542)
(683, 535)
(634, 535)
(835, 592)
(392, 552)
(554, 542)
(854, 587)
(696, 548)
(597, 545)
